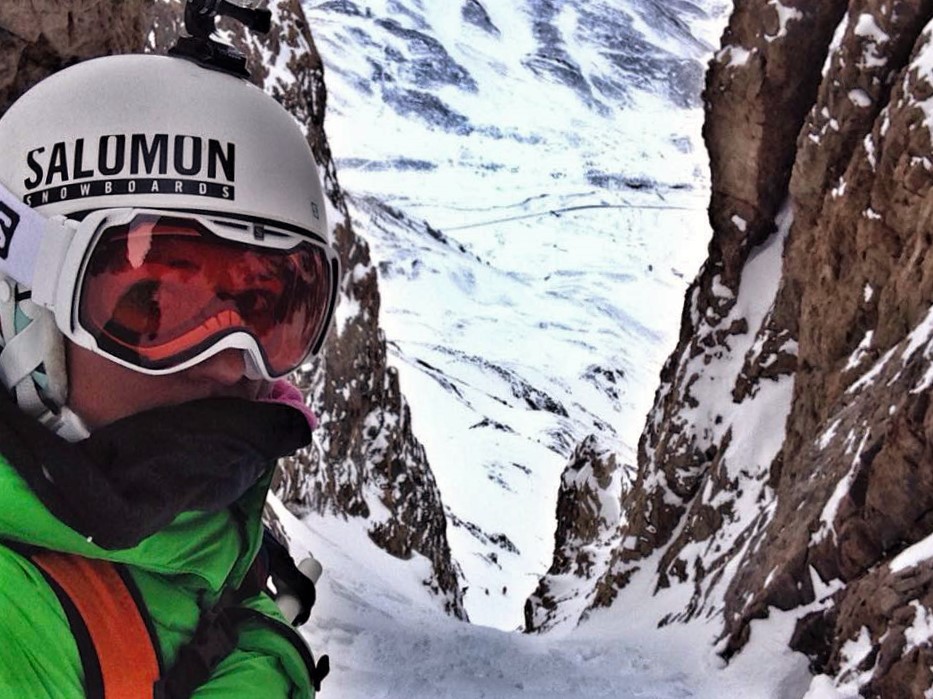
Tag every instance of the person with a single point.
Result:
(165, 261)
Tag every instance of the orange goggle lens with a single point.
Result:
(163, 289)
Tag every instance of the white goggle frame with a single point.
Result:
(49, 256)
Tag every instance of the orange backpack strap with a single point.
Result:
(111, 624)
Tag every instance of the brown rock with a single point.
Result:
(38, 37)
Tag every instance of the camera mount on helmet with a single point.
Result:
(200, 21)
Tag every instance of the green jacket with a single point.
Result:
(179, 570)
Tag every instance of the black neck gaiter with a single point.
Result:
(131, 478)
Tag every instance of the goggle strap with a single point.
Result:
(21, 232)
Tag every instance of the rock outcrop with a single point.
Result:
(587, 515)
(39, 37)
(367, 462)
(787, 462)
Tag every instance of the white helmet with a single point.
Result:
(154, 131)
(140, 132)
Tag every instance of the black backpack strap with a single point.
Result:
(217, 633)
(317, 671)
(215, 637)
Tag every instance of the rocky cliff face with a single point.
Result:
(367, 462)
(786, 463)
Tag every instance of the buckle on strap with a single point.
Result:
(26, 236)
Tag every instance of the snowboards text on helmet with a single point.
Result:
(173, 163)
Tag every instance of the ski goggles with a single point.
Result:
(160, 291)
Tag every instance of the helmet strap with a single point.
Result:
(37, 347)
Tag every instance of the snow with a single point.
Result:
(757, 290)
(719, 289)
(756, 428)
(861, 351)
(785, 16)
(921, 630)
(822, 687)
(875, 38)
(867, 26)
(859, 98)
(738, 56)
(346, 310)
(829, 434)
(913, 555)
(921, 338)
(840, 189)
(385, 638)
(873, 373)
(836, 42)
(922, 68)
(852, 654)
(828, 515)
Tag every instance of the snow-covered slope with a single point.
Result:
(532, 182)
(386, 639)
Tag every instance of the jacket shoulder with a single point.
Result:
(38, 654)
